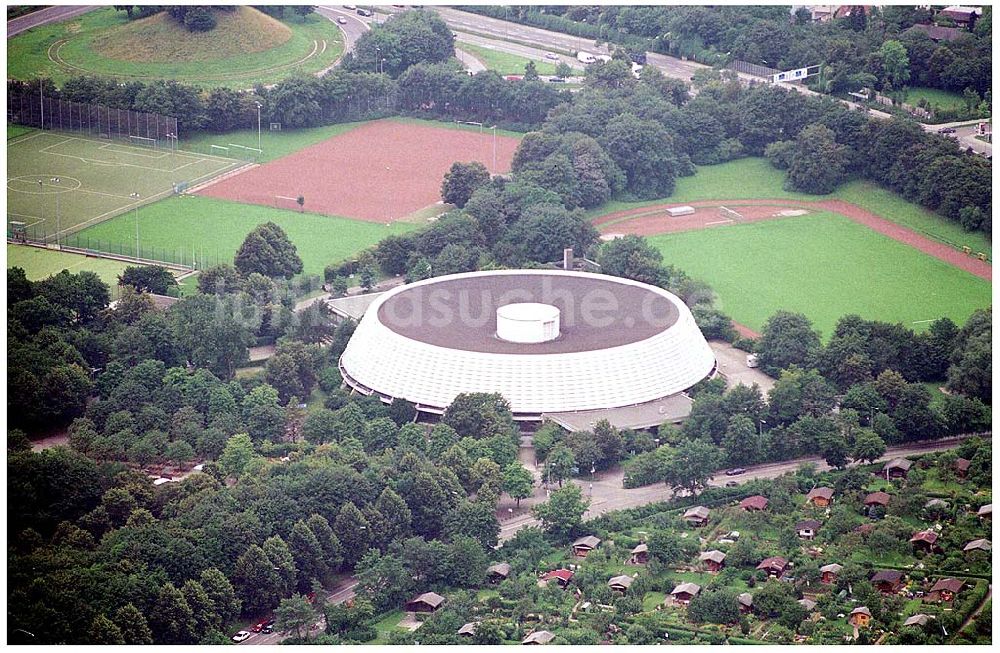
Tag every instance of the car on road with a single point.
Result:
(947, 130)
(268, 627)
(258, 627)
(552, 55)
(557, 80)
(364, 12)
(241, 636)
(350, 7)
(735, 471)
(341, 20)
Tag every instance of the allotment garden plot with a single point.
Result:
(60, 182)
(382, 171)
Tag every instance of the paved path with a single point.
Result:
(341, 592)
(471, 64)
(607, 494)
(46, 16)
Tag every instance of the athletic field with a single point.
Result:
(64, 182)
(39, 263)
(191, 229)
(824, 266)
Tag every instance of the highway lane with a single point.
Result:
(46, 16)
(354, 27)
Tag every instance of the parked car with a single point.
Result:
(947, 130)
(364, 12)
(258, 627)
(557, 80)
(268, 627)
(552, 55)
(731, 483)
(735, 471)
(241, 636)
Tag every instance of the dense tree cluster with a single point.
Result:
(853, 46)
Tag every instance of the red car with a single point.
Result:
(258, 627)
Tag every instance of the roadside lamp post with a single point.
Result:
(259, 105)
(760, 426)
(55, 180)
(135, 196)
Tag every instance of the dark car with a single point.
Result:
(947, 130)
(731, 483)
(557, 80)
(268, 627)
(735, 471)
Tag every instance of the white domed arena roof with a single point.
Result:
(547, 340)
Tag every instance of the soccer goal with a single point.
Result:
(142, 141)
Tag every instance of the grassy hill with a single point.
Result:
(160, 38)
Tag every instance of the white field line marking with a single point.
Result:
(708, 224)
(110, 147)
(180, 152)
(18, 140)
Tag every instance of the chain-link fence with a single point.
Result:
(136, 127)
(752, 69)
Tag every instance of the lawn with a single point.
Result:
(755, 178)
(13, 131)
(752, 178)
(824, 266)
(309, 45)
(276, 144)
(944, 99)
(891, 206)
(386, 625)
(62, 182)
(273, 144)
(41, 263)
(210, 231)
(505, 63)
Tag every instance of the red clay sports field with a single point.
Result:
(380, 172)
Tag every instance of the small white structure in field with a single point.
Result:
(677, 211)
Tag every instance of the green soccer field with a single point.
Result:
(824, 266)
(40, 263)
(64, 182)
(210, 231)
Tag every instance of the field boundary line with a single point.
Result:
(17, 140)
(188, 153)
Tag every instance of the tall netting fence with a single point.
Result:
(95, 120)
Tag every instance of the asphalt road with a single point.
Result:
(45, 16)
(342, 592)
(607, 494)
(352, 29)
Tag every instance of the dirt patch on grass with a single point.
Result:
(383, 171)
(161, 39)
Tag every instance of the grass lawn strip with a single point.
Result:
(935, 96)
(762, 267)
(39, 263)
(505, 63)
(213, 230)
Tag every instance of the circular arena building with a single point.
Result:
(553, 343)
